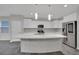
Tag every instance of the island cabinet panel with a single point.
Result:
(40, 46)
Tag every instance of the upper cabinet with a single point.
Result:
(70, 17)
(29, 23)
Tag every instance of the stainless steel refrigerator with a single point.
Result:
(70, 30)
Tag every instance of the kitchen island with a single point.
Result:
(41, 43)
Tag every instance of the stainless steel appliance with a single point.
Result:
(40, 29)
(70, 30)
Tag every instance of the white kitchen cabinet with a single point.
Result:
(57, 24)
(45, 23)
(28, 23)
(16, 26)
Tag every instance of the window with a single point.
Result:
(4, 26)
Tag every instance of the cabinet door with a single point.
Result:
(16, 29)
(16, 26)
(58, 24)
(28, 23)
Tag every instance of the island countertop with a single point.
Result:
(40, 36)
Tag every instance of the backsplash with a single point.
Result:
(46, 30)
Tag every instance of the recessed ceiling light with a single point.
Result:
(65, 5)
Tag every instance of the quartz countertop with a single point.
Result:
(39, 36)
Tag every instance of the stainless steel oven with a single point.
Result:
(70, 30)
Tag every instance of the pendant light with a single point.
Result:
(36, 14)
(49, 15)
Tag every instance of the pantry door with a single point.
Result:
(16, 28)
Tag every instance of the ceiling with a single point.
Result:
(28, 10)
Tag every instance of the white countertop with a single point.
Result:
(39, 36)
